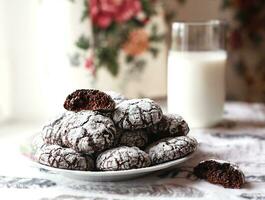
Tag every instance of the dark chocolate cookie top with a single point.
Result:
(84, 131)
(137, 114)
(64, 158)
(171, 125)
(220, 172)
(171, 148)
(122, 158)
(89, 99)
(137, 138)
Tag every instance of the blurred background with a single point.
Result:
(49, 48)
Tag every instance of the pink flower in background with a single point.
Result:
(89, 64)
(104, 12)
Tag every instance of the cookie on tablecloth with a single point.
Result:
(220, 172)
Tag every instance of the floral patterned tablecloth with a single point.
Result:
(240, 138)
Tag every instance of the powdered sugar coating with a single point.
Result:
(84, 131)
(64, 158)
(51, 133)
(170, 125)
(122, 158)
(137, 114)
(137, 138)
(117, 97)
(172, 148)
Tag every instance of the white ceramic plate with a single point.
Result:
(103, 176)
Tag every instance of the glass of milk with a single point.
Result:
(196, 72)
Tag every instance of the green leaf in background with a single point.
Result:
(129, 59)
(255, 37)
(113, 68)
(181, 1)
(154, 51)
(139, 64)
(154, 29)
(148, 8)
(242, 16)
(108, 57)
(83, 42)
(157, 38)
(226, 4)
(85, 11)
(241, 67)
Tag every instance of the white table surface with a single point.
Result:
(239, 138)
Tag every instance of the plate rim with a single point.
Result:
(118, 172)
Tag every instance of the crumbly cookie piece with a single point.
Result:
(220, 172)
(137, 114)
(137, 138)
(89, 99)
(122, 158)
(171, 125)
(84, 131)
(171, 148)
(64, 158)
(117, 97)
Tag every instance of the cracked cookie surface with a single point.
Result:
(137, 138)
(171, 125)
(171, 148)
(220, 172)
(64, 158)
(117, 97)
(89, 99)
(122, 158)
(84, 131)
(137, 114)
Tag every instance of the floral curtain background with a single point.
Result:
(119, 27)
(52, 47)
(126, 49)
(246, 67)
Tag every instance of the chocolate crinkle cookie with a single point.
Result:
(117, 97)
(52, 131)
(122, 158)
(64, 158)
(170, 125)
(220, 172)
(137, 114)
(89, 100)
(171, 148)
(137, 138)
(84, 131)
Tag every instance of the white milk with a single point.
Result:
(196, 86)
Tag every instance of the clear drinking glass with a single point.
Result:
(196, 72)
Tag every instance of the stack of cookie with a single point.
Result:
(105, 131)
